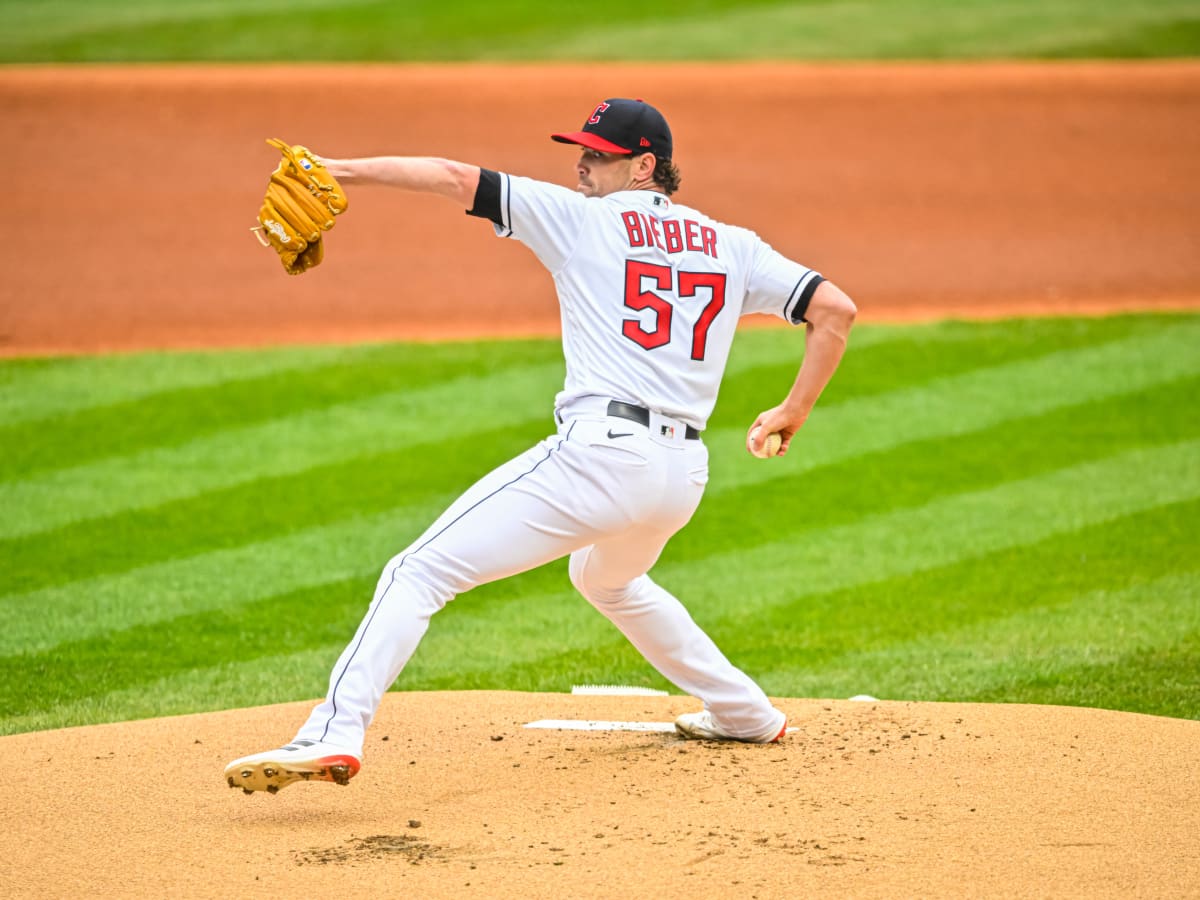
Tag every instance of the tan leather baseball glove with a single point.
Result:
(301, 202)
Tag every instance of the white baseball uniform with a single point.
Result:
(650, 293)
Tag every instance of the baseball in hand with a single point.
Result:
(770, 445)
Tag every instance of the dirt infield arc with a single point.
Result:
(922, 190)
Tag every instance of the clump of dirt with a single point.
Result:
(376, 846)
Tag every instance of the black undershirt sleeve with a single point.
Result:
(487, 197)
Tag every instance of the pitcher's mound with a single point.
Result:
(457, 799)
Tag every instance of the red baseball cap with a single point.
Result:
(619, 125)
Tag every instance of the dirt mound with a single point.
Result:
(457, 798)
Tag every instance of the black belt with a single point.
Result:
(642, 415)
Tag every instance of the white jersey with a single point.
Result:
(650, 291)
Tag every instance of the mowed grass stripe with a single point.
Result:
(992, 656)
(556, 639)
(897, 29)
(55, 413)
(942, 533)
(820, 629)
(255, 512)
(913, 354)
(71, 31)
(74, 18)
(958, 404)
(210, 581)
(297, 443)
(840, 494)
(54, 391)
(457, 408)
(171, 417)
(905, 476)
(304, 619)
(916, 473)
(230, 684)
(1159, 680)
(111, 545)
(1165, 679)
(810, 612)
(131, 411)
(34, 390)
(733, 592)
(958, 527)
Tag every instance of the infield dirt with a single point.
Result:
(923, 190)
(457, 799)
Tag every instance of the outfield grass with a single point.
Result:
(977, 511)
(383, 30)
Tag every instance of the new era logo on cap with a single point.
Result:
(620, 125)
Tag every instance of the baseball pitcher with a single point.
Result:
(650, 293)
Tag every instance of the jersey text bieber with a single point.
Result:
(670, 235)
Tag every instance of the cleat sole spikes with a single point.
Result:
(299, 761)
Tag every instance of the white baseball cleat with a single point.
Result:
(700, 726)
(298, 761)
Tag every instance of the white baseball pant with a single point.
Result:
(612, 502)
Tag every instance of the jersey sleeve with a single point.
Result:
(779, 286)
(545, 217)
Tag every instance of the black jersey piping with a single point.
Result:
(806, 286)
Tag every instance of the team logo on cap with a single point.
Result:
(600, 110)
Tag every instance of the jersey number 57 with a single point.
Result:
(697, 286)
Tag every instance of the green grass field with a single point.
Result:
(977, 511)
(383, 30)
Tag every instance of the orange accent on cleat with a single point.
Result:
(301, 760)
